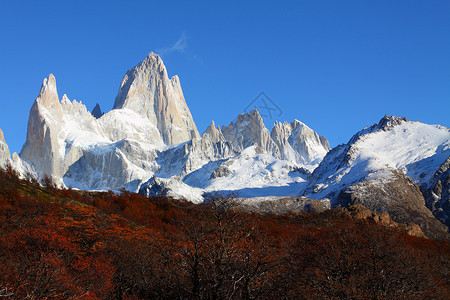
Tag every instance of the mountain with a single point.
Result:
(150, 137)
(249, 130)
(249, 161)
(149, 143)
(386, 166)
(64, 140)
(58, 132)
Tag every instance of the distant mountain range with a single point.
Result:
(149, 143)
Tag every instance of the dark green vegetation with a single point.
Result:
(65, 244)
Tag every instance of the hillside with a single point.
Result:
(61, 243)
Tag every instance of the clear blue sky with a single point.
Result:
(338, 66)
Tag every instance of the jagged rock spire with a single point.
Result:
(213, 133)
(147, 90)
(48, 95)
(389, 122)
(386, 123)
(248, 130)
(297, 142)
(97, 112)
(41, 146)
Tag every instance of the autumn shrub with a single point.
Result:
(67, 244)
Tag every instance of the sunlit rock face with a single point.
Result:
(43, 146)
(297, 142)
(4, 150)
(147, 90)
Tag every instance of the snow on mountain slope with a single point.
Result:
(172, 187)
(251, 174)
(394, 143)
(78, 126)
(120, 124)
(150, 134)
(386, 166)
(249, 130)
(299, 143)
(415, 148)
(243, 157)
(57, 132)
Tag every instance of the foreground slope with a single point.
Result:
(59, 243)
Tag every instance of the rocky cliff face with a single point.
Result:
(4, 150)
(297, 142)
(397, 194)
(147, 90)
(58, 132)
(361, 212)
(293, 142)
(43, 146)
(249, 130)
(437, 193)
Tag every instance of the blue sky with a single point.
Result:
(337, 66)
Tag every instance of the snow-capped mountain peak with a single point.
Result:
(48, 95)
(213, 133)
(249, 130)
(386, 123)
(297, 142)
(147, 90)
(394, 143)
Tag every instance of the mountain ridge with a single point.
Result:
(149, 143)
